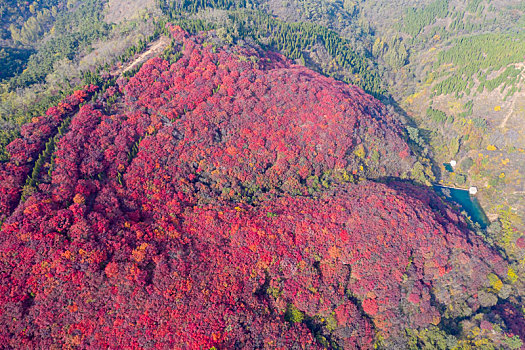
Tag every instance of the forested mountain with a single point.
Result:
(462, 85)
(258, 174)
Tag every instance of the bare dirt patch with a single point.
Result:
(119, 10)
(153, 49)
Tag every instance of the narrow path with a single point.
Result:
(509, 114)
(154, 49)
(515, 98)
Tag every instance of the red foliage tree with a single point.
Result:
(218, 208)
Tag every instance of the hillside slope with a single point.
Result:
(462, 82)
(220, 200)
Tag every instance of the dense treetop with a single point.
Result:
(220, 201)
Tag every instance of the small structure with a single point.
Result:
(473, 190)
(453, 163)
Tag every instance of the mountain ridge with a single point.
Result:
(220, 200)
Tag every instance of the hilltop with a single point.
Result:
(225, 196)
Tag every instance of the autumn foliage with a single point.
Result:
(25, 150)
(225, 205)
